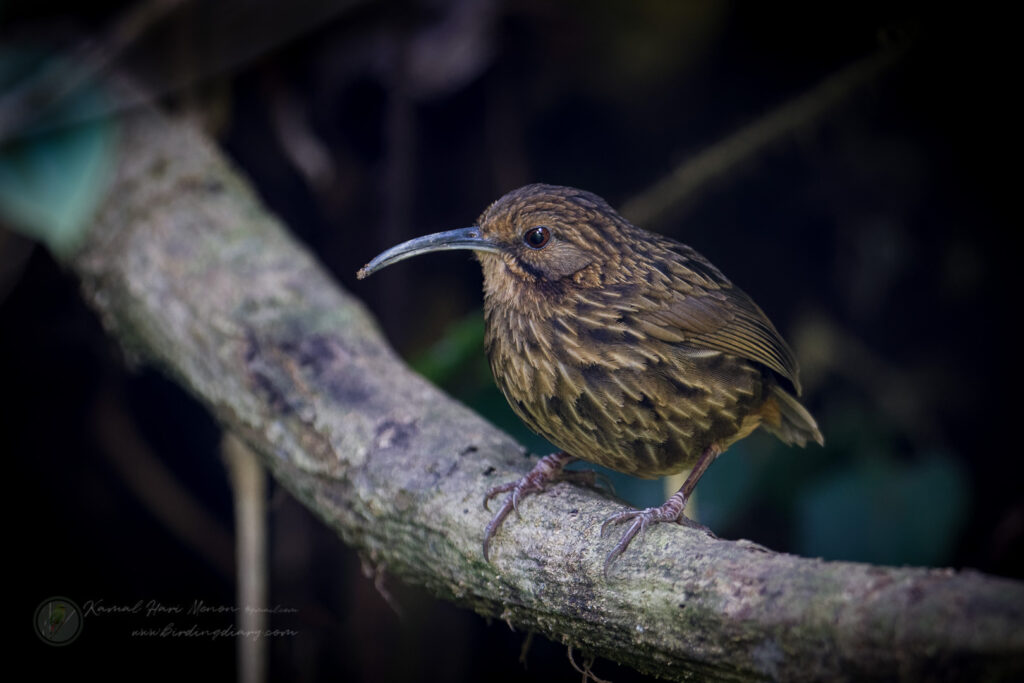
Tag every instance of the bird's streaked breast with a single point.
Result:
(604, 391)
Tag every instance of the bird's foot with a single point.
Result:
(671, 511)
(547, 470)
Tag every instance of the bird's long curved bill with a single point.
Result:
(464, 238)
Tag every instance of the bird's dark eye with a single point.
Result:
(538, 237)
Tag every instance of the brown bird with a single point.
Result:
(619, 346)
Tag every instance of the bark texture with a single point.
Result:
(189, 271)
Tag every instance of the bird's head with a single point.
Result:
(540, 235)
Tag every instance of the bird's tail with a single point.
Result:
(787, 419)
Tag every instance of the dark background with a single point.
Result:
(877, 235)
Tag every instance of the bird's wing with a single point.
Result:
(691, 303)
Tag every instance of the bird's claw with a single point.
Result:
(641, 520)
(495, 523)
(501, 488)
(519, 489)
(548, 469)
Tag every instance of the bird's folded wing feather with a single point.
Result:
(692, 303)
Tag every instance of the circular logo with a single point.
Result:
(58, 621)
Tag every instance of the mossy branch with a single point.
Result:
(190, 272)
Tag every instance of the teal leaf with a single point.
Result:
(51, 182)
(461, 345)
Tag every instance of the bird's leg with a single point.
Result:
(670, 511)
(547, 470)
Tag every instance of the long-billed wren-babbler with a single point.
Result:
(619, 346)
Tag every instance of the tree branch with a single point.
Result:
(188, 271)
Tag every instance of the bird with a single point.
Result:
(621, 347)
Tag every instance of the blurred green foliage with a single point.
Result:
(53, 173)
